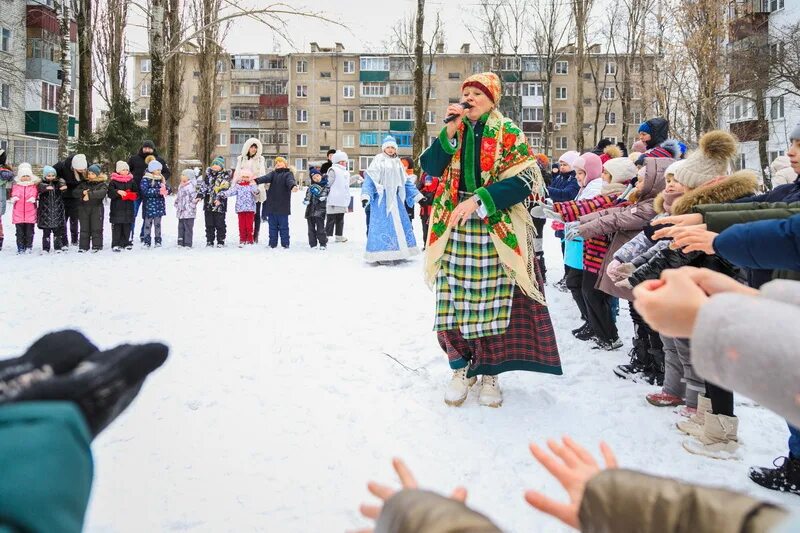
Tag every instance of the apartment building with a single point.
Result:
(12, 80)
(302, 104)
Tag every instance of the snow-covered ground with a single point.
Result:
(279, 400)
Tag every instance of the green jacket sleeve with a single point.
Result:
(410, 511)
(437, 157)
(504, 194)
(46, 466)
(624, 500)
(719, 217)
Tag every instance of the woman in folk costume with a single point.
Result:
(491, 315)
(388, 191)
(253, 161)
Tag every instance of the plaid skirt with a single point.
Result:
(482, 319)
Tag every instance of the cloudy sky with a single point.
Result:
(366, 24)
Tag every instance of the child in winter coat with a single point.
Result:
(91, 194)
(6, 178)
(215, 205)
(427, 187)
(278, 206)
(23, 195)
(50, 215)
(154, 191)
(186, 208)
(315, 202)
(123, 192)
(246, 192)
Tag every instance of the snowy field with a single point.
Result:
(279, 401)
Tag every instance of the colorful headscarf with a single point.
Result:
(486, 82)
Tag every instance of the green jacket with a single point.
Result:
(719, 217)
(46, 467)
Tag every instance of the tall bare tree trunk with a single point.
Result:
(580, 12)
(156, 35)
(209, 52)
(65, 64)
(173, 83)
(420, 122)
(83, 18)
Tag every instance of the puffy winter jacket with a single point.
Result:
(24, 195)
(279, 199)
(316, 199)
(564, 187)
(593, 249)
(50, 214)
(6, 178)
(246, 196)
(210, 187)
(719, 217)
(96, 191)
(65, 171)
(153, 190)
(767, 244)
(121, 211)
(185, 201)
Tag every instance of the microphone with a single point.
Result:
(451, 118)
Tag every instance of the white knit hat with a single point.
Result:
(710, 161)
(79, 162)
(24, 170)
(389, 142)
(673, 168)
(121, 166)
(621, 169)
(569, 157)
(339, 156)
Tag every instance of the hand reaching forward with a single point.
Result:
(383, 492)
(574, 470)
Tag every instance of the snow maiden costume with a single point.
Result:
(491, 315)
(387, 189)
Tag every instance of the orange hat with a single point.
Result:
(486, 82)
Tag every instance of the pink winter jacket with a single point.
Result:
(24, 210)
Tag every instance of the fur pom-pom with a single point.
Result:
(719, 145)
(149, 158)
(613, 151)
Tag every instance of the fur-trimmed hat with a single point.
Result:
(711, 160)
(613, 151)
(24, 170)
(486, 82)
(621, 169)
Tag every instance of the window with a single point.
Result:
(223, 140)
(561, 93)
(301, 66)
(454, 76)
(776, 50)
(510, 89)
(776, 107)
(405, 112)
(401, 88)
(561, 143)
(349, 66)
(144, 114)
(609, 93)
(611, 69)
(534, 141)
(301, 140)
(274, 138)
(637, 117)
(772, 5)
(531, 64)
(5, 96)
(773, 155)
(365, 161)
(512, 63)
(561, 117)
(348, 116)
(301, 163)
(636, 92)
(562, 67)
(302, 115)
(273, 87)
(611, 118)
(478, 67)
(223, 114)
(531, 89)
(276, 64)
(636, 67)
(402, 64)
(532, 114)
(742, 161)
(430, 117)
(403, 139)
(370, 138)
(351, 165)
(302, 91)
(275, 113)
(325, 75)
(432, 93)
(374, 113)
(324, 123)
(49, 100)
(5, 39)
(612, 139)
(349, 91)
(348, 141)
(375, 63)
(144, 89)
(371, 89)
(144, 65)
(324, 99)
(244, 63)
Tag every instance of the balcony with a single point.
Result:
(42, 69)
(44, 18)
(751, 130)
(748, 26)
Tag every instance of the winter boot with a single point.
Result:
(581, 328)
(1, 243)
(607, 345)
(586, 334)
(784, 477)
(542, 266)
(339, 238)
(458, 388)
(639, 359)
(662, 399)
(694, 426)
(490, 392)
(719, 439)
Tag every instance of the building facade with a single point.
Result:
(12, 71)
(302, 104)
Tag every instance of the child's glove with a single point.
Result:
(626, 269)
(572, 231)
(624, 284)
(612, 270)
(364, 203)
(544, 211)
(13, 199)
(31, 200)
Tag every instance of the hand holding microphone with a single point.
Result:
(454, 114)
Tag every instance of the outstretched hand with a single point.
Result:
(573, 467)
(383, 492)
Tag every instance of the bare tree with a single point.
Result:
(155, 30)
(83, 18)
(513, 16)
(65, 64)
(110, 23)
(581, 9)
(489, 32)
(549, 31)
(174, 77)
(420, 124)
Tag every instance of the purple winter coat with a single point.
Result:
(245, 196)
(185, 205)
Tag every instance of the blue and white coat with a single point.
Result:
(387, 189)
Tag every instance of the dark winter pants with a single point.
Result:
(121, 235)
(56, 234)
(152, 225)
(69, 232)
(368, 211)
(91, 225)
(316, 232)
(185, 232)
(598, 308)
(643, 331)
(335, 223)
(136, 205)
(425, 219)
(794, 442)
(278, 224)
(574, 282)
(257, 222)
(215, 226)
(721, 400)
(24, 237)
(246, 226)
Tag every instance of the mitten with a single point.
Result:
(626, 269)
(612, 270)
(31, 200)
(572, 231)
(364, 203)
(624, 284)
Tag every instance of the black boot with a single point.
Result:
(654, 374)
(784, 477)
(582, 327)
(640, 359)
(585, 334)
